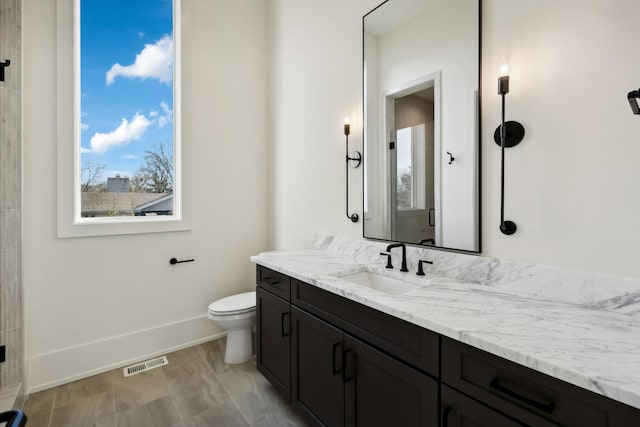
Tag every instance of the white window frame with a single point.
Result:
(69, 221)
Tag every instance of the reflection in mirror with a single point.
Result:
(421, 100)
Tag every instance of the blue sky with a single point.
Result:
(126, 81)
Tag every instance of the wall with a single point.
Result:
(315, 69)
(98, 302)
(11, 317)
(571, 185)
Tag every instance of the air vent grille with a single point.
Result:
(145, 366)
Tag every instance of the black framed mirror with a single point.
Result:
(421, 96)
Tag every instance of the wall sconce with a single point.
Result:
(507, 135)
(354, 159)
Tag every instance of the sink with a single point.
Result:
(381, 283)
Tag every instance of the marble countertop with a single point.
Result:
(592, 348)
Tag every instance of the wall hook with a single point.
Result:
(451, 158)
(3, 65)
(632, 97)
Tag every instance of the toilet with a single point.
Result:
(237, 315)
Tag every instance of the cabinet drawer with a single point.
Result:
(274, 282)
(408, 342)
(459, 410)
(528, 395)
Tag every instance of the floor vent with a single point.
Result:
(145, 366)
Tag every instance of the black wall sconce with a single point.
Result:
(354, 159)
(507, 135)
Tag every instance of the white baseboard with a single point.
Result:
(74, 363)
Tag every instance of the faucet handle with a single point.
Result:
(420, 271)
(388, 255)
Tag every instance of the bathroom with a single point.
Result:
(266, 86)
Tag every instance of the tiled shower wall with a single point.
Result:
(11, 333)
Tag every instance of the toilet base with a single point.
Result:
(239, 346)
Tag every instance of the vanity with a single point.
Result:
(444, 353)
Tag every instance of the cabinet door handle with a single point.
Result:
(336, 370)
(348, 361)
(445, 416)
(271, 281)
(431, 223)
(284, 333)
(547, 407)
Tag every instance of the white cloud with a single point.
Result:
(155, 61)
(84, 126)
(141, 35)
(153, 113)
(128, 156)
(84, 150)
(125, 133)
(167, 117)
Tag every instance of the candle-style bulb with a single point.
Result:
(503, 77)
(347, 126)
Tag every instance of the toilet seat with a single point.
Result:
(234, 304)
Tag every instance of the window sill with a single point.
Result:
(114, 226)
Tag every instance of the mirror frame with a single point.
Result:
(479, 138)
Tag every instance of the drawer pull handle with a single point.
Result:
(270, 281)
(284, 333)
(335, 370)
(445, 416)
(546, 407)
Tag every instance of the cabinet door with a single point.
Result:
(316, 369)
(461, 411)
(274, 340)
(381, 391)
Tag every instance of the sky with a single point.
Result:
(126, 73)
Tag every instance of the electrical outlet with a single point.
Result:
(3, 353)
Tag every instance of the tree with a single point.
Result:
(155, 175)
(91, 177)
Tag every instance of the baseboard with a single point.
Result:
(74, 363)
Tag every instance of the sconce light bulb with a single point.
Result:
(503, 79)
(347, 126)
(504, 66)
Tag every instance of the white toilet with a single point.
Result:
(236, 314)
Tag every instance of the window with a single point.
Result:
(126, 108)
(410, 167)
(124, 165)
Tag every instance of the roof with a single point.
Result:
(121, 202)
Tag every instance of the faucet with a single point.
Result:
(388, 255)
(420, 271)
(404, 254)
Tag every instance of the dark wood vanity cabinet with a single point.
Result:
(528, 396)
(336, 378)
(273, 340)
(340, 380)
(344, 364)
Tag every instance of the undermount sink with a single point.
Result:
(381, 283)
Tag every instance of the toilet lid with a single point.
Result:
(239, 303)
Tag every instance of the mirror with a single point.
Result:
(421, 69)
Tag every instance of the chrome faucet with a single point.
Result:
(404, 254)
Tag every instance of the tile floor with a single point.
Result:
(196, 388)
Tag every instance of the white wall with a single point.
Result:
(572, 185)
(96, 302)
(315, 76)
